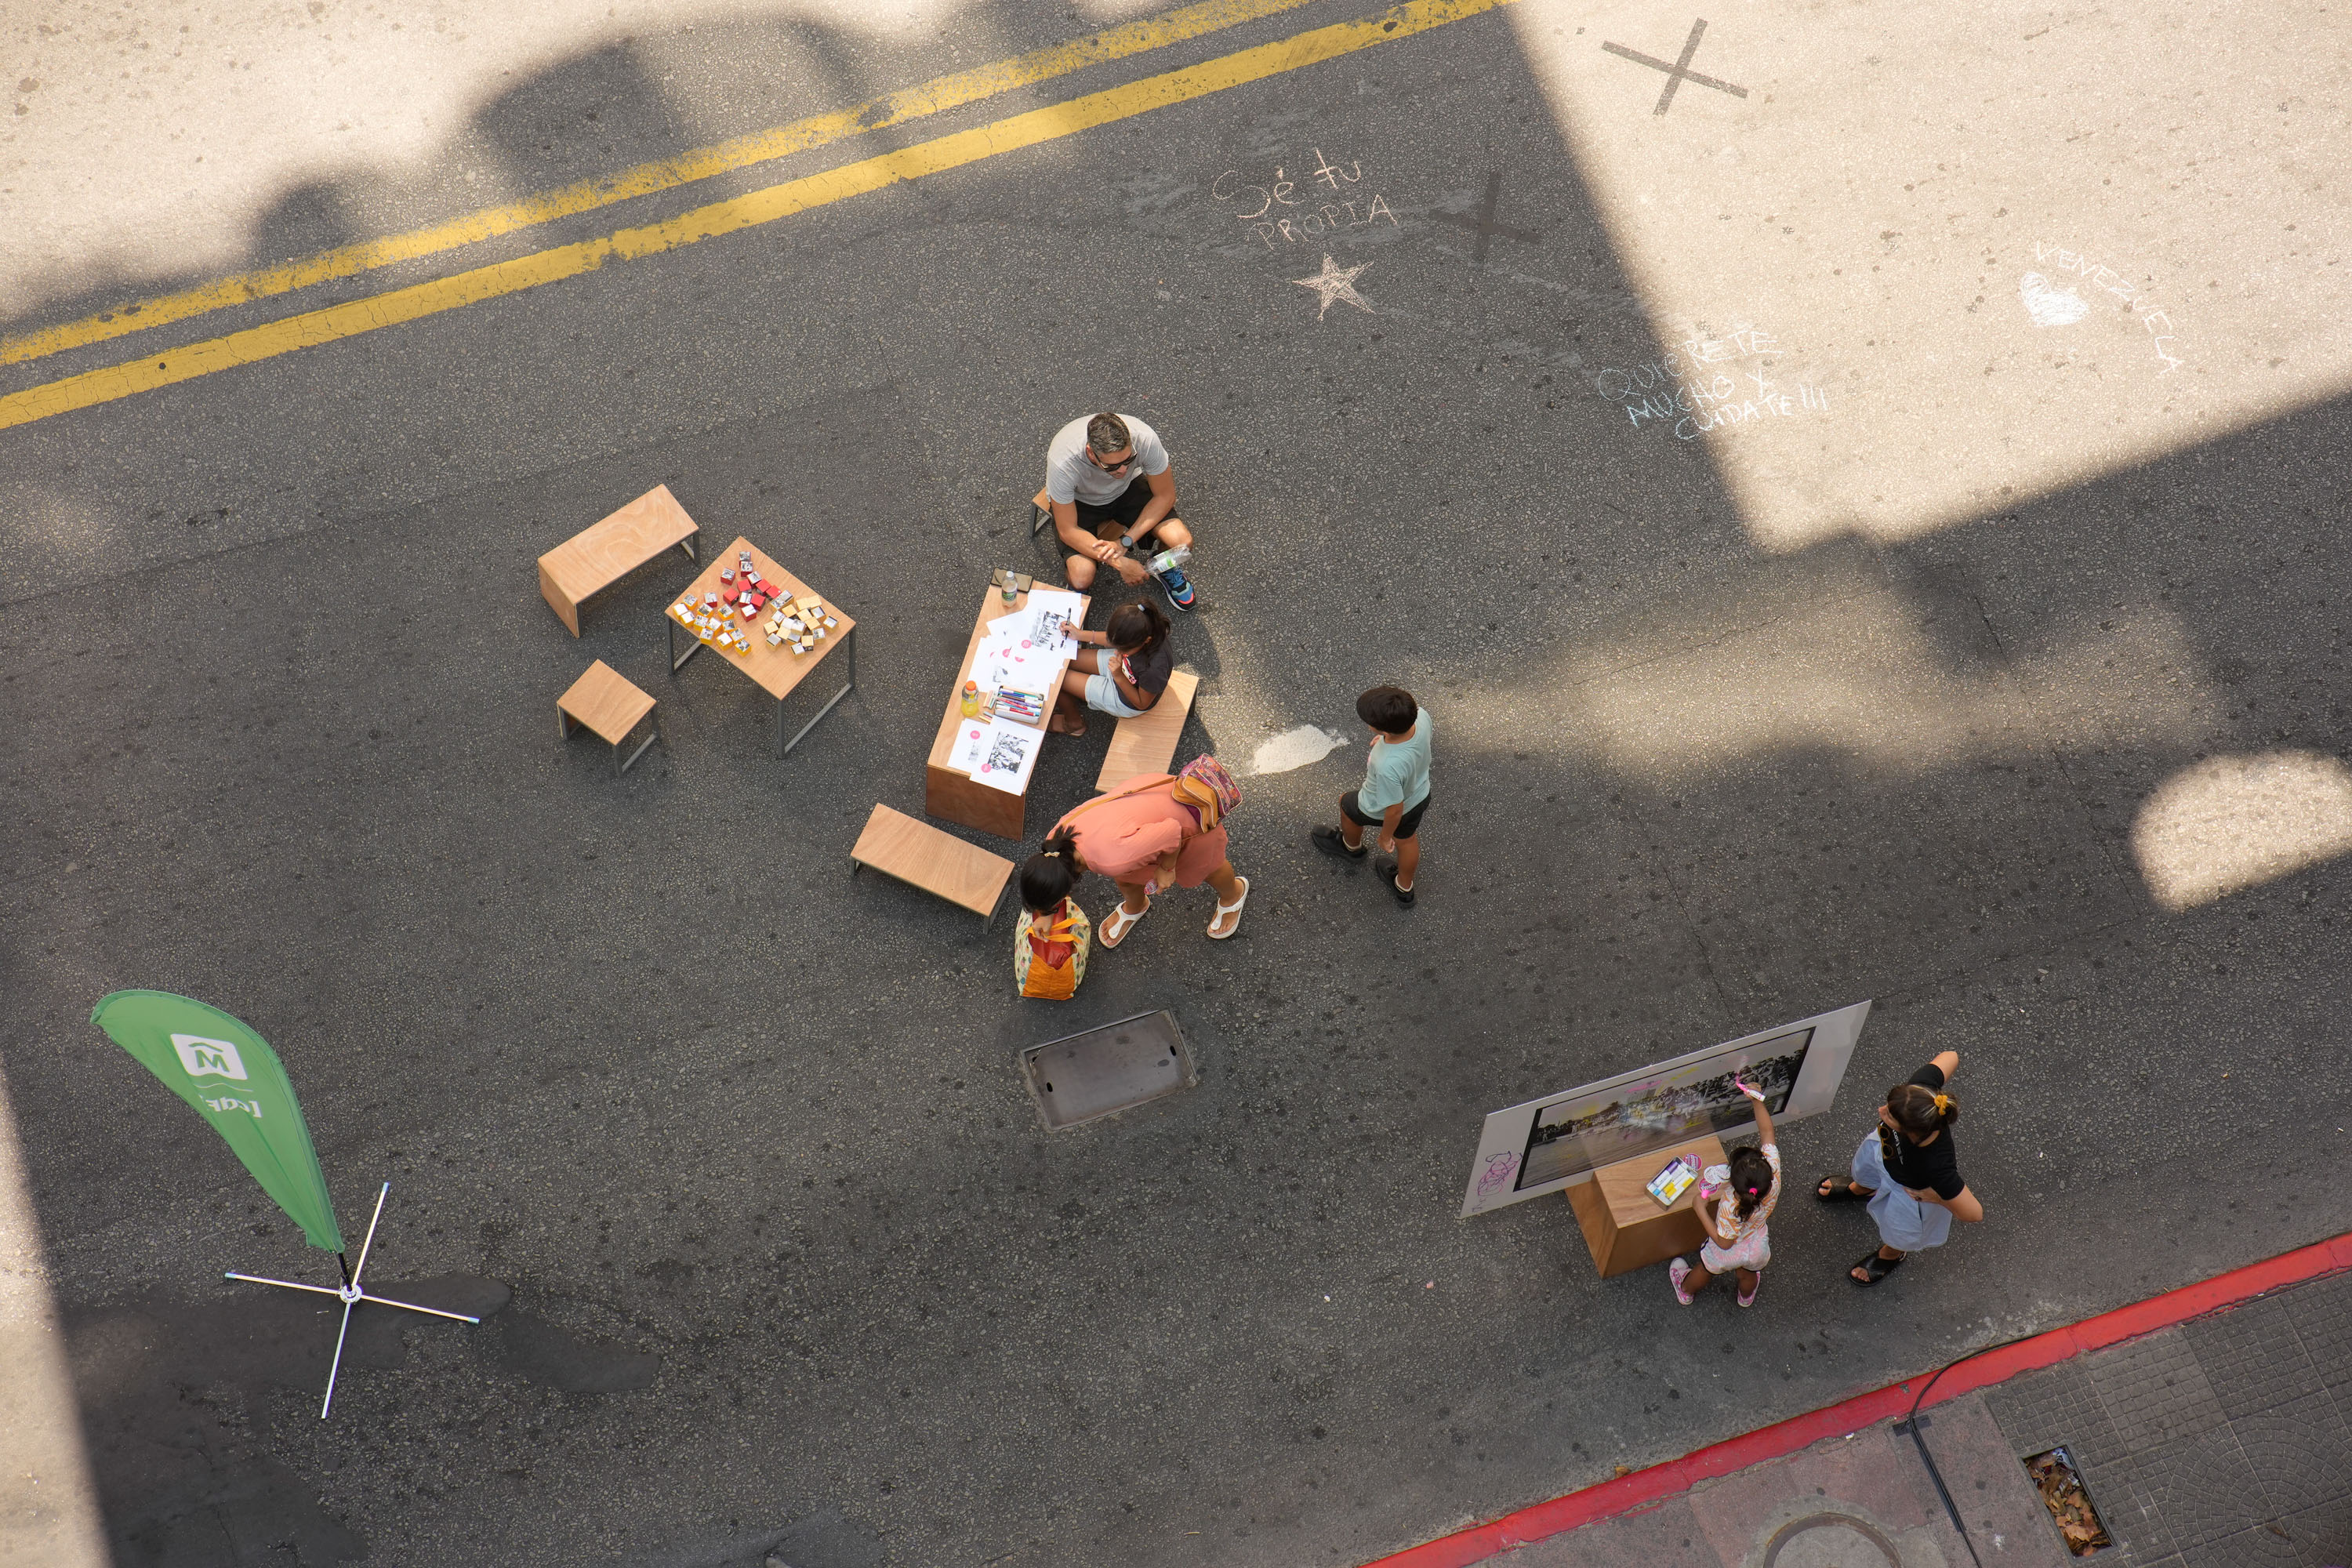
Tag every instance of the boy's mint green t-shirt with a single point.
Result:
(1397, 771)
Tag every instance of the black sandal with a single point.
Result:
(1877, 1267)
(1838, 1190)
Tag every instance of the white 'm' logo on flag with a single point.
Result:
(208, 1059)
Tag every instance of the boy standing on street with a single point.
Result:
(1394, 792)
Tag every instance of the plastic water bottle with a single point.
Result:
(1169, 560)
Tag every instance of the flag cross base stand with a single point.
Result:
(351, 1293)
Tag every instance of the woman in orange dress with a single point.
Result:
(1155, 832)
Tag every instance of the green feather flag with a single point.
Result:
(235, 1081)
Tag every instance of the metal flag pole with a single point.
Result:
(352, 1294)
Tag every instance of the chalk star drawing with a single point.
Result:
(1679, 72)
(1336, 283)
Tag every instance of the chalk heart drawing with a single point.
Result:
(2050, 305)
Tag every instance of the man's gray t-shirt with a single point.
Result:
(1071, 475)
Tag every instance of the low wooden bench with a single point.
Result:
(921, 855)
(1147, 743)
(605, 702)
(1040, 512)
(596, 558)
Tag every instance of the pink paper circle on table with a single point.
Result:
(1024, 642)
(974, 735)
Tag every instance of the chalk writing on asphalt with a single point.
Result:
(1328, 199)
(1707, 384)
(2112, 281)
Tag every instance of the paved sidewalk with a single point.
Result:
(2211, 1427)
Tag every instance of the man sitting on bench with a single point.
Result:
(1114, 502)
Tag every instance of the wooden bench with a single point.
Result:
(604, 702)
(921, 855)
(596, 558)
(1147, 744)
(1040, 512)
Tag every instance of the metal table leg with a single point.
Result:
(669, 634)
(849, 647)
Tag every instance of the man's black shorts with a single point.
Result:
(1123, 510)
(1407, 824)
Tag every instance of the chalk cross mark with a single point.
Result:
(1483, 222)
(1679, 72)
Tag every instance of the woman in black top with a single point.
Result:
(1908, 1171)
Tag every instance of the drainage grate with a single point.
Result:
(1115, 1068)
(2054, 1477)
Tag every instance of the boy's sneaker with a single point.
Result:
(1179, 590)
(1386, 871)
(1331, 841)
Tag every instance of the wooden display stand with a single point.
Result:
(1622, 1223)
(949, 793)
(778, 671)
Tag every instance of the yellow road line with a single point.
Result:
(910, 103)
(1039, 125)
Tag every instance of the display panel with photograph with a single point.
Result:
(1584, 1131)
(1543, 1146)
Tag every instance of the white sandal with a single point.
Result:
(1233, 908)
(1119, 923)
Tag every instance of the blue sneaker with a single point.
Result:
(1178, 591)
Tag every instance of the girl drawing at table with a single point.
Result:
(1121, 671)
(1735, 1203)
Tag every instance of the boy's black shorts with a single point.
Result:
(1407, 824)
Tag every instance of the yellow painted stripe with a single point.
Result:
(911, 103)
(1039, 125)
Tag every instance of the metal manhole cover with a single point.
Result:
(1830, 1541)
(1115, 1068)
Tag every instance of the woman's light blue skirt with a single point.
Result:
(1904, 1223)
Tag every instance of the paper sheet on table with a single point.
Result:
(997, 664)
(1001, 756)
(1054, 608)
(1030, 626)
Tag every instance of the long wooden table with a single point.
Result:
(954, 795)
(778, 671)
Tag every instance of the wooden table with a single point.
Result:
(1624, 1226)
(598, 557)
(953, 794)
(778, 671)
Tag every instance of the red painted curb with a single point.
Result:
(1627, 1493)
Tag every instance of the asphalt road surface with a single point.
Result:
(1876, 534)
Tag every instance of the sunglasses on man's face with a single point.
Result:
(1108, 466)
